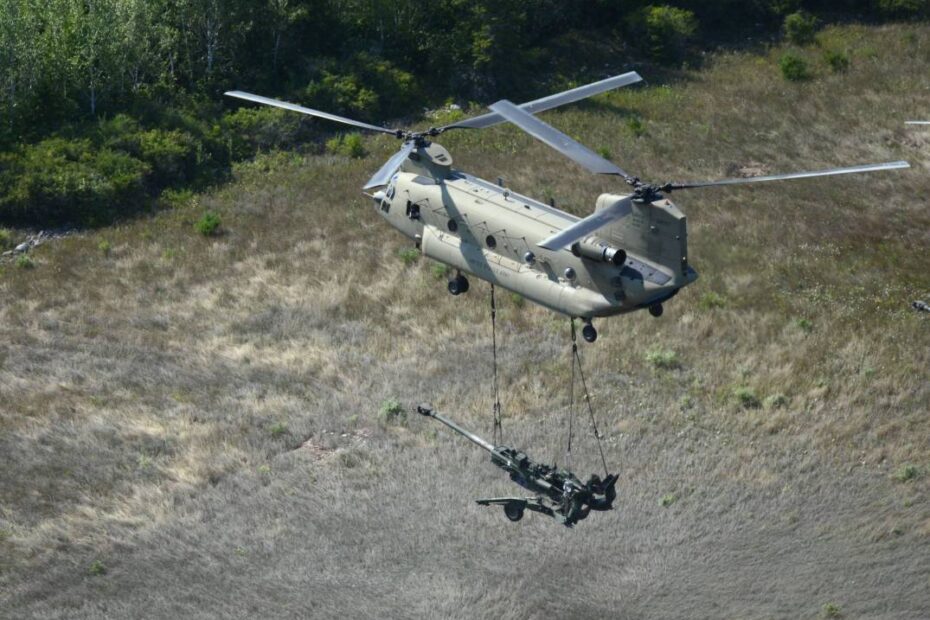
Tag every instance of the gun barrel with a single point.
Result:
(428, 411)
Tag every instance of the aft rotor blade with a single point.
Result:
(238, 94)
(554, 138)
(552, 101)
(895, 165)
(917, 122)
(384, 174)
(588, 225)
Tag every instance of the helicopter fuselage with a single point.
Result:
(480, 228)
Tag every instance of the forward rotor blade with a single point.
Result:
(238, 94)
(552, 101)
(917, 122)
(895, 165)
(384, 174)
(588, 225)
(554, 138)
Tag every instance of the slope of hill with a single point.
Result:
(193, 426)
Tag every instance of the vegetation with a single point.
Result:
(794, 68)
(209, 224)
(302, 314)
(800, 28)
(106, 105)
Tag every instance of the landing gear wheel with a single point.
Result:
(458, 285)
(589, 333)
(514, 511)
(656, 310)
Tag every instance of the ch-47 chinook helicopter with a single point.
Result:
(630, 254)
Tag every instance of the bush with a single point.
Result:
(440, 270)
(668, 31)
(776, 401)
(746, 397)
(24, 261)
(60, 181)
(837, 61)
(793, 67)
(663, 358)
(800, 28)
(712, 300)
(209, 224)
(636, 126)
(392, 412)
(97, 568)
(902, 8)
(251, 130)
(348, 145)
(409, 256)
(905, 473)
(104, 247)
(6, 239)
(366, 87)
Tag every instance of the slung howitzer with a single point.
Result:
(559, 493)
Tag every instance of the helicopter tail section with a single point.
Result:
(656, 231)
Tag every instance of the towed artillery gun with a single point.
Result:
(559, 493)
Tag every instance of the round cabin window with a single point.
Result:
(491, 242)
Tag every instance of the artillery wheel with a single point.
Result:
(514, 510)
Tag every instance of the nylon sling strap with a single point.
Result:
(498, 432)
(576, 362)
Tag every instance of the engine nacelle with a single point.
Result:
(594, 249)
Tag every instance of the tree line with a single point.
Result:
(105, 103)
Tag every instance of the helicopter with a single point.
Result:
(630, 254)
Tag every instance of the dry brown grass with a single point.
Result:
(200, 414)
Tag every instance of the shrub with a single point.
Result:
(104, 247)
(776, 401)
(69, 181)
(906, 473)
(391, 412)
(805, 325)
(837, 61)
(668, 499)
(25, 262)
(800, 28)
(409, 256)
(636, 126)
(831, 610)
(278, 429)
(440, 270)
(902, 8)
(668, 30)
(6, 239)
(209, 224)
(710, 300)
(348, 145)
(793, 67)
(662, 358)
(746, 397)
(366, 87)
(251, 130)
(97, 568)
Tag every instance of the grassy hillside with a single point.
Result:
(191, 426)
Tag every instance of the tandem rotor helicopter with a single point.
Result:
(630, 254)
